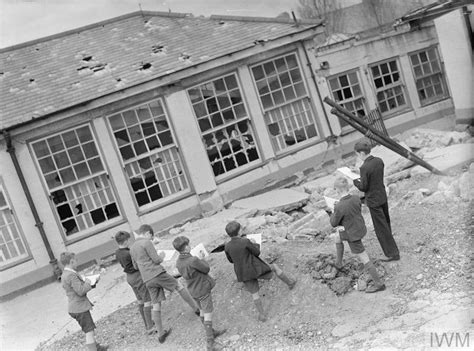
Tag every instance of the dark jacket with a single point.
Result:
(347, 212)
(195, 272)
(371, 181)
(123, 257)
(76, 291)
(244, 255)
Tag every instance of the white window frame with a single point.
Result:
(347, 103)
(302, 113)
(435, 68)
(10, 233)
(171, 173)
(391, 87)
(86, 195)
(241, 145)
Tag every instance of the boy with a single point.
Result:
(248, 267)
(371, 183)
(199, 283)
(347, 213)
(79, 305)
(147, 261)
(134, 279)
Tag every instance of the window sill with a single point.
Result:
(432, 102)
(112, 224)
(239, 171)
(164, 203)
(16, 263)
(297, 148)
(396, 112)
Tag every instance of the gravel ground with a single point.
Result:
(435, 241)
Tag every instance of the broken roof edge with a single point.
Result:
(299, 33)
(144, 14)
(266, 19)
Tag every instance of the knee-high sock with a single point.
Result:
(148, 318)
(339, 254)
(142, 312)
(156, 316)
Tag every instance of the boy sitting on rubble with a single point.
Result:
(148, 262)
(134, 279)
(249, 267)
(199, 283)
(347, 213)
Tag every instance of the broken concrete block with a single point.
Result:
(319, 184)
(300, 223)
(276, 200)
(395, 177)
(446, 158)
(251, 225)
(437, 197)
(466, 190)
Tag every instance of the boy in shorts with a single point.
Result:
(134, 279)
(249, 267)
(148, 262)
(347, 213)
(79, 305)
(199, 283)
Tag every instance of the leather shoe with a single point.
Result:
(389, 259)
(163, 336)
(374, 288)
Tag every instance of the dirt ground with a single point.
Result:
(429, 286)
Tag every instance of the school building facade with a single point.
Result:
(160, 117)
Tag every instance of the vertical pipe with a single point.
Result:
(38, 223)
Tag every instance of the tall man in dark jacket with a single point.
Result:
(371, 183)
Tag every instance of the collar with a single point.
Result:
(347, 196)
(185, 254)
(69, 269)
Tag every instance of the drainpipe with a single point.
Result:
(332, 138)
(38, 223)
(466, 12)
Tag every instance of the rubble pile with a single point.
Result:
(340, 281)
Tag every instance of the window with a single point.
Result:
(346, 91)
(224, 123)
(287, 110)
(428, 74)
(77, 181)
(388, 86)
(12, 243)
(151, 158)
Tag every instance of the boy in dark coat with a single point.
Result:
(371, 183)
(195, 272)
(347, 213)
(134, 279)
(79, 305)
(248, 266)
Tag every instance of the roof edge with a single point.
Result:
(92, 25)
(264, 19)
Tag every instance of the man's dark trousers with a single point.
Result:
(383, 230)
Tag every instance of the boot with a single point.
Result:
(377, 283)
(149, 325)
(261, 314)
(287, 280)
(102, 347)
(211, 345)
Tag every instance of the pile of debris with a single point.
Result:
(340, 281)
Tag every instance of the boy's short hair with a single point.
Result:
(66, 257)
(232, 228)
(121, 237)
(341, 183)
(363, 146)
(145, 228)
(180, 242)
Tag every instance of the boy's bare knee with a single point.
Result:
(147, 304)
(157, 306)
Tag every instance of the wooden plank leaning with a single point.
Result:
(372, 133)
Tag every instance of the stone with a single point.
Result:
(437, 197)
(176, 230)
(419, 276)
(276, 200)
(251, 225)
(396, 177)
(466, 188)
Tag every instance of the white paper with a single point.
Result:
(93, 278)
(168, 254)
(256, 237)
(330, 202)
(345, 171)
(199, 251)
